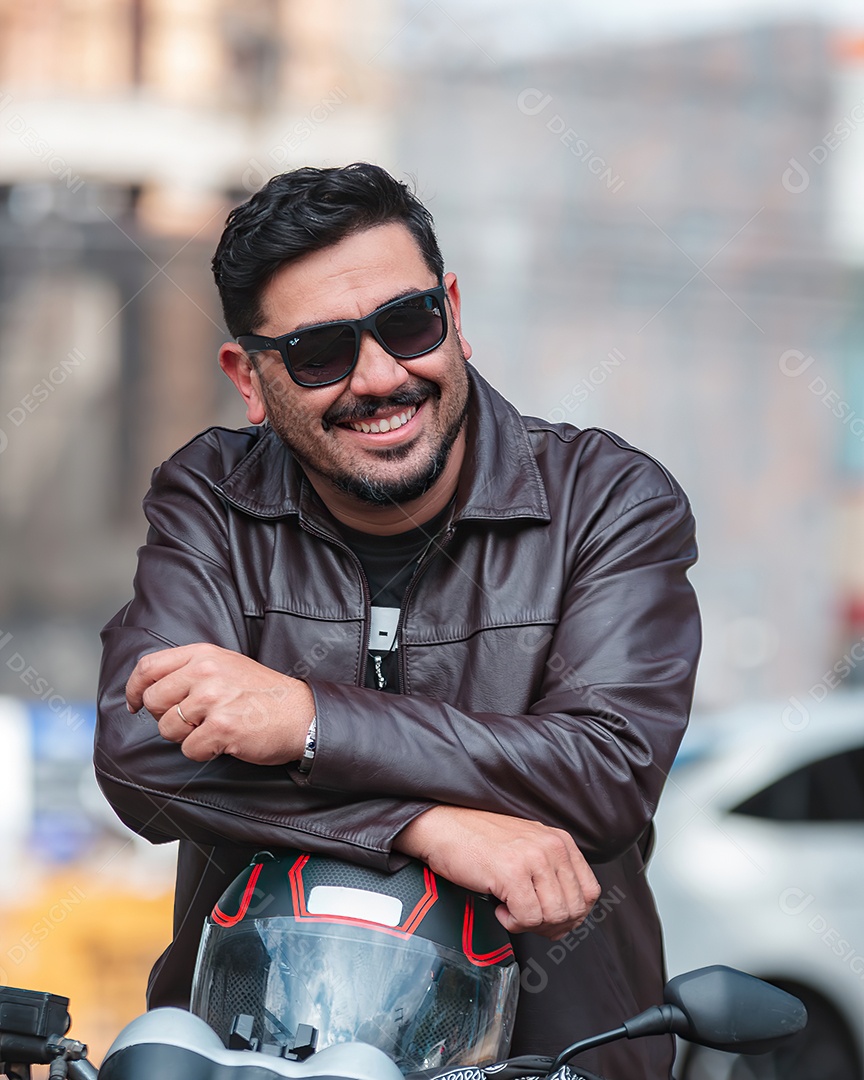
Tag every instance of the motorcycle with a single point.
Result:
(716, 1007)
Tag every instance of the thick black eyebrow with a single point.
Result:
(331, 322)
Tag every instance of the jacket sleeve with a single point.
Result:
(153, 788)
(593, 752)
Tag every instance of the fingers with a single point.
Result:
(557, 895)
(185, 718)
(537, 872)
(177, 723)
(150, 669)
(213, 701)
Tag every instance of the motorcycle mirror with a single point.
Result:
(727, 1009)
(715, 1006)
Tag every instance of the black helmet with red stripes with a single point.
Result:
(406, 961)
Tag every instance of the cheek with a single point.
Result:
(279, 383)
(291, 404)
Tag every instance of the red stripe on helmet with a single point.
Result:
(405, 929)
(295, 879)
(497, 956)
(425, 903)
(219, 916)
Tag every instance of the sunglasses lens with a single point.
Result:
(412, 328)
(323, 355)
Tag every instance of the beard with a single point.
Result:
(377, 491)
(361, 480)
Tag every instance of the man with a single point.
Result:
(396, 618)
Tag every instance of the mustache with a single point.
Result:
(350, 412)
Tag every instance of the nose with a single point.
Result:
(377, 373)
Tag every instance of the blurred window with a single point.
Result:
(828, 790)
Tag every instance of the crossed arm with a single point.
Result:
(231, 705)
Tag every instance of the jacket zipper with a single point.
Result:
(421, 566)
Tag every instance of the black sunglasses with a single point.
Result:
(320, 355)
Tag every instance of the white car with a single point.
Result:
(759, 864)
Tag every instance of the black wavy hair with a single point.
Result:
(303, 211)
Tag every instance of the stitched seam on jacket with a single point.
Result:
(675, 499)
(332, 834)
(184, 545)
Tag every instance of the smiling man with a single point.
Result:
(393, 617)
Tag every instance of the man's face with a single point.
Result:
(428, 395)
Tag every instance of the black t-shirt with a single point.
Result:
(389, 563)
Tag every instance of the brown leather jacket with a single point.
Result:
(547, 650)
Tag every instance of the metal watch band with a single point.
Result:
(309, 749)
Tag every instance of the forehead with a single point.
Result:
(346, 280)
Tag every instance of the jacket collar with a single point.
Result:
(499, 480)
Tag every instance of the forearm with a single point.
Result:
(569, 771)
(160, 793)
(538, 873)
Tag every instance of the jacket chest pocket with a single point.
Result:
(494, 669)
(307, 648)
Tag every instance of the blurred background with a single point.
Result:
(656, 215)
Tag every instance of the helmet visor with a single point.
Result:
(424, 1005)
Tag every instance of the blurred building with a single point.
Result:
(128, 128)
(640, 251)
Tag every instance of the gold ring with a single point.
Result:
(183, 718)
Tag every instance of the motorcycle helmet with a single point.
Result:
(405, 961)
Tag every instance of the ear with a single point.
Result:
(239, 369)
(455, 299)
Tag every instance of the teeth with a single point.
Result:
(375, 427)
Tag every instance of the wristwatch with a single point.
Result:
(309, 749)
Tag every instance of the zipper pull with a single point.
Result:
(378, 660)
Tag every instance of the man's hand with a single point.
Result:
(538, 873)
(213, 701)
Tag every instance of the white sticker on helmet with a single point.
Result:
(355, 904)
